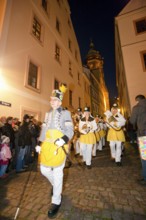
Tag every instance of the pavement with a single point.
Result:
(105, 192)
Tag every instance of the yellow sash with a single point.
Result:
(48, 156)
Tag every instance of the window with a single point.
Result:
(79, 102)
(37, 29)
(33, 77)
(140, 25)
(69, 44)
(143, 58)
(56, 84)
(70, 69)
(70, 97)
(59, 2)
(69, 23)
(79, 78)
(58, 26)
(76, 55)
(44, 5)
(57, 53)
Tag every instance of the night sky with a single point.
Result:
(94, 20)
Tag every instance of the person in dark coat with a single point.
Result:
(8, 131)
(24, 145)
(138, 119)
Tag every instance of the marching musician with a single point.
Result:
(76, 139)
(115, 136)
(57, 131)
(87, 126)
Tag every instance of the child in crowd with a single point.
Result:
(5, 155)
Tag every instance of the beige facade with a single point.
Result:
(130, 48)
(38, 50)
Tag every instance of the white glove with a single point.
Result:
(38, 149)
(112, 123)
(59, 142)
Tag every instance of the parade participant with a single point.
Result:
(138, 120)
(98, 139)
(115, 135)
(57, 131)
(87, 126)
(76, 139)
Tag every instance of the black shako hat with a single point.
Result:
(58, 93)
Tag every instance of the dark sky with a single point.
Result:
(94, 19)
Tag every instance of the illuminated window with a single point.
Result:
(140, 25)
(33, 77)
(57, 53)
(70, 97)
(37, 29)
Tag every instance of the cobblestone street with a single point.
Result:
(104, 192)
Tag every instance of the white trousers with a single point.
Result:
(55, 177)
(94, 149)
(115, 147)
(77, 146)
(86, 150)
(99, 145)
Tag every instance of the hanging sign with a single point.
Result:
(5, 103)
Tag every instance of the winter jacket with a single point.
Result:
(138, 117)
(24, 135)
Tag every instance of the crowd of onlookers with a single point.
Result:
(17, 143)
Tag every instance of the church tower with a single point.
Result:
(99, 92)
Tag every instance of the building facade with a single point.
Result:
(130, 50)
(38, 51)
(98, 89)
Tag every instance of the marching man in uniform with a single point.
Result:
(57, 131)
(87, 126)
(115, 135)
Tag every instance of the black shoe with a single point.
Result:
(88, 166)
(142, 182)
(119, 164)
(53, 210)
(84, 163)
(112, 159)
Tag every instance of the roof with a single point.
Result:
(133, 5)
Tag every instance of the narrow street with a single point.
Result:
(105, 192)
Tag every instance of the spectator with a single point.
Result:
(5, 156)
(138, 119)
(24, 145)
(8, 131)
